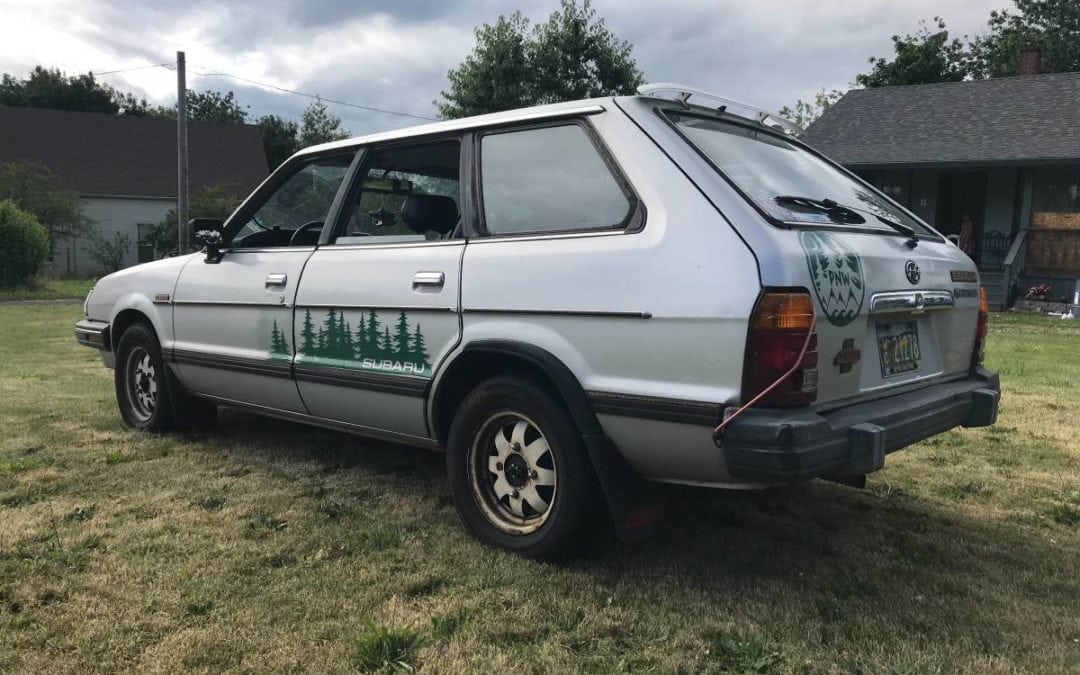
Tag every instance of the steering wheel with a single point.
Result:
(315, 224)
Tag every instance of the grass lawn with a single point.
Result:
(269, 546)
(50, 288)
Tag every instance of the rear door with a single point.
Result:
(377, 309)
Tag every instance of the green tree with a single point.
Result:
(214, 106)
(372, 341)
(279, 138)
(419, 348)
(26, 245)
(307, 335)
(386, 344)
(36, 189)
(110, 254)
(317, 125)
(923, 58)
(279, 344)
(52, 88)
(213, 202)
(572, 55)
(1053, 26)
(401, 337)
(805, 112)
(360, 341)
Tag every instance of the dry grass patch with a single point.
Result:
(271, 547)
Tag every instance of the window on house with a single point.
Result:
(549, 179)
(146, 248)
(1056, 198)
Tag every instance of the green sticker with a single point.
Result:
(370, 345)
(837, 275)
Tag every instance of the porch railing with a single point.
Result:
(1014, 261)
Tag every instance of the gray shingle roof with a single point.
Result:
(1008, 119)
(103, 154)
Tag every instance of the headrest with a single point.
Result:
(423, 213)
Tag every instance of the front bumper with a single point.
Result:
(798, 444)
(90, 333)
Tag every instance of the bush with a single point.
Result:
(24, 246)
(110, 253)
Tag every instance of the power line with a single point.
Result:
(128, 70)
(313, 96)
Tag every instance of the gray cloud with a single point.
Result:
(395, 56)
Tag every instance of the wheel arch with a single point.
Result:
(135, 310)
(482, 359)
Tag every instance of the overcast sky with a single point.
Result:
(395, 55)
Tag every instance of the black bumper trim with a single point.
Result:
(94, 334)
(797, 444)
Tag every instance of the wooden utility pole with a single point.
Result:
(181, 155)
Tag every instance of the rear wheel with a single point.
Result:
(519, 474)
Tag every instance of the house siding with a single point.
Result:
(111, 215)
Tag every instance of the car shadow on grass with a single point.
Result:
(818, 561)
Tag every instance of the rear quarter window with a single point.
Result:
(549, 179)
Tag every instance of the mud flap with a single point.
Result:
(636, 505)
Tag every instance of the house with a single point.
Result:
(993, 164)
(125, 169)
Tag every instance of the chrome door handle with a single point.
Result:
(435, 279)
(276, 279)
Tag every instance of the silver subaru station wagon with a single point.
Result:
(573, 301)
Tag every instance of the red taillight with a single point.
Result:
(778, 332)
(980, 329)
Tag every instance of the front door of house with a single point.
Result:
(961, 207)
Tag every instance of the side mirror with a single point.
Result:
(208, 234)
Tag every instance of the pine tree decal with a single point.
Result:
(279, 346)
(386, 347)
(401, 337)
(419, 349)
(372, 340)
(360, 343)
(307, 334)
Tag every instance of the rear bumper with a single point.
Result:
(797, 444)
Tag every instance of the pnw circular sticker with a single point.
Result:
(837, 275)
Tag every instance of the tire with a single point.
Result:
(519, 473)
(149, 397)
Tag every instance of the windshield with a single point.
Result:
(765, 167)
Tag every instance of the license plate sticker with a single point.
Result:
(898, 348)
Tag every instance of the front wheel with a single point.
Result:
(519, 474)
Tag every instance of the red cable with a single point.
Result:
(749, 404)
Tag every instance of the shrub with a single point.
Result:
(110, 253)
(24, 246)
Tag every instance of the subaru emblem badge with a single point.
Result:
(911, 269)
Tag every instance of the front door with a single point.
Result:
(377, 310)
(233, 318)
(961, 203)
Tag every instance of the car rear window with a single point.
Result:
(548, 179)
(764, 166)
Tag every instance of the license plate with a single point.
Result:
(898, 348)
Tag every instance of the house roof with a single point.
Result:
(1030, 118)
(100, 154)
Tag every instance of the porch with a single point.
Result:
(1020, 223)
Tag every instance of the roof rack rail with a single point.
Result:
(682, 93)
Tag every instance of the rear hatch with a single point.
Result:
(888, 316)
(896, 303)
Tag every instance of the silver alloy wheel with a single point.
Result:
(142, 385)
(512, 473)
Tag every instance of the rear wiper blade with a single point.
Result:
(838, 212)
(844, 213)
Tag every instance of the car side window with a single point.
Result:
(294, 213)
(406, 193)
(549, 179)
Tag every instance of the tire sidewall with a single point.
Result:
(561, 534)
(139, 335)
